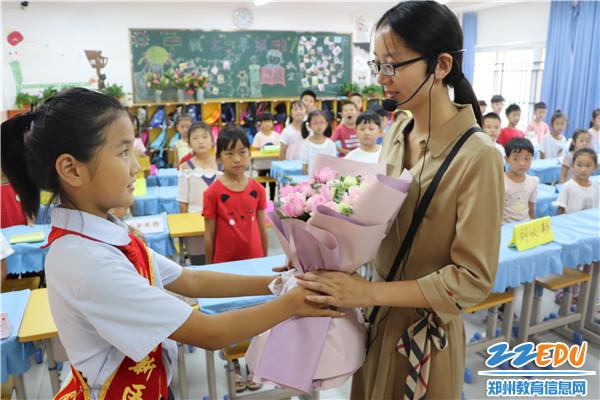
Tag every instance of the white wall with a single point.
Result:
(513, 24)
(55, 34)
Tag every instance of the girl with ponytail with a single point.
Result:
(104, 286)
(426, 276)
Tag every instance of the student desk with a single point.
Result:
(157, 199)
(546, 195)
(579, 236)
(28, 257)
(548, 170)
(163, 177)
(38, 325)
(15, 355)
(185, 225)
(286, 167)
(259, 155)
(257, 266)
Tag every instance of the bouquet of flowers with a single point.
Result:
(334, 221)
(195, 81)
(156, 81)
(177, 78)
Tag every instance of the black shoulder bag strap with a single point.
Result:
(420, 212)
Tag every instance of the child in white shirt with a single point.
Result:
(580, 193)
(581, 139)
(368, 129)
(553, 145)
(265, 136)
(318, 142)
(520, 189)
(291, 137)
(491, 126)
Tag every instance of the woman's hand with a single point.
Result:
(337, 289)
(301, 307)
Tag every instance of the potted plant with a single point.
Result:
(348, 88)
(373, 90)
(158, 83)
(196, 82)
(49, 92)
(114, 90)
(26, 101)
(178, 80)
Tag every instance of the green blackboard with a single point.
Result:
(244, 64)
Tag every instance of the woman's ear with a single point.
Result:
(443, 66)
(69, 170)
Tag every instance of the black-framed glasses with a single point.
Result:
(389, 69)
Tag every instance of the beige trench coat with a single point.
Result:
(454, 256)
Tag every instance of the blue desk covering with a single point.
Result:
(518, 267)
(256, 266)
(286, 167)
(548, 170)
(15, 355)
(579, 236)
(28, 257)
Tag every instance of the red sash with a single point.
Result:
(146, 379)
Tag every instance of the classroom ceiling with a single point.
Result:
(458, 6)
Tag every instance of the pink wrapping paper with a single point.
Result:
(321, 353)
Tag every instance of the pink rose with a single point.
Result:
(325, 175)
(368, 179)
(314, 202)
(325, 191)
(294, 207)
(287, 190)
(306, 189)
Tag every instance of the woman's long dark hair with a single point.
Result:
(430, 28)
(71, 122)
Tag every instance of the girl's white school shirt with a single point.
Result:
(573, 197)
(103, 309)
(553, 148)
(191, 185)
(309, 151)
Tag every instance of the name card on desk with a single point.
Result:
(532, 234)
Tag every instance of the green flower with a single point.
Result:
(344, 209)
(349, 181)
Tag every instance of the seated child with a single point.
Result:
(491, 126)
(368, 128)
(580, 193)
(553, 145)
(291, 137)
(538, 128)
(318, 142)
(197, 174)
(265, 136)
(182, 146)
(520, 189)
(513, 113)
(581, 140)
(344, 136)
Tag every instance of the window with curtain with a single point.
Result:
(515, 73)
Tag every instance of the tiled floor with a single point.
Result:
(37, 382)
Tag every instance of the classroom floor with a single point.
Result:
(37, 382)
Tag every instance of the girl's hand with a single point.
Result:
(301, 307)
(337, 289)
